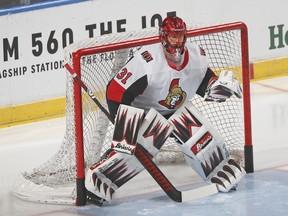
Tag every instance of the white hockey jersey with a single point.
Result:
(148, 81)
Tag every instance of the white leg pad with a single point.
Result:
(105, 177)
(227, 175)
(204, 148)
(119, 165)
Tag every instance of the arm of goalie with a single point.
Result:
(223, 87)
(204, 148)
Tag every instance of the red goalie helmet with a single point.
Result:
(172, 33)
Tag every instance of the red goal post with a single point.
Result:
(88, 130)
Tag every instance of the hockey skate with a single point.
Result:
(94, 199)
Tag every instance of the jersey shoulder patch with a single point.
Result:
(146, 55)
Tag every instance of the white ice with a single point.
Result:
(264, 192)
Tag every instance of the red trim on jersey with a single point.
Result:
(115, 91)
(185, 62)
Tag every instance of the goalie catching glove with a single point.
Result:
(224, 87)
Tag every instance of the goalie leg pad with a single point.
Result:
(227, 175)
(204, 148)
(153, 132)
(106, 176)
(118, 165)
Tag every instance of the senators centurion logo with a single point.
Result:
(175, 97)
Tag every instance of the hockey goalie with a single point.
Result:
(149, 98)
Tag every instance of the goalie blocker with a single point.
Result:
(204, 148)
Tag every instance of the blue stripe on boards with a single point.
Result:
(37, 6)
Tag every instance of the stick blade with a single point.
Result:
(198, 193)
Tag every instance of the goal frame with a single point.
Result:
(76, 56)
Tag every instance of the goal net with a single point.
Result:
(88, 130)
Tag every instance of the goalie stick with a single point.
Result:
(144, 158)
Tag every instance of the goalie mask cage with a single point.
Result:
(88, 130)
